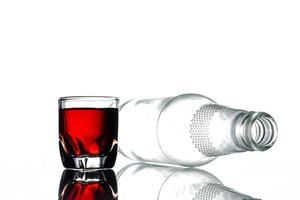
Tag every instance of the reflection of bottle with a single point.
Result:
(190, 130)
(88, 185)
(150, 182)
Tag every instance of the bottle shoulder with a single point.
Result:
(174, 124)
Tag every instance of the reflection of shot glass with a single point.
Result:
(88, 185)
(88, 131)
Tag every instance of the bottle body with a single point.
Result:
(188, 130)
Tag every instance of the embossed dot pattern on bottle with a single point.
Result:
(208, 192)
(199, 130)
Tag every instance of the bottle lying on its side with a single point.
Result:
(190, 130)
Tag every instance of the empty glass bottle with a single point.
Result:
(190, 130)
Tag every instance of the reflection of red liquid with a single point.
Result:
(88, 191)
(88, 131)
(88, 185)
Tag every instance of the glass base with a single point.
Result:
(89, 162)
(86, 162)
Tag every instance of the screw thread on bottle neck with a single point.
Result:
(255, 131)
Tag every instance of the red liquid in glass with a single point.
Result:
(88, 131)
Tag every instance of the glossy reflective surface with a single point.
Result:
(143, 181)
(153, 182)
(88, 185)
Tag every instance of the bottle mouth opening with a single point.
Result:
(259, 131)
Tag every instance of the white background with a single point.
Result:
(244, 54)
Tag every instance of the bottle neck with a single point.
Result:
(255, 131)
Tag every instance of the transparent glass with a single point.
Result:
(190, 130)
(88, 185)
(152, 182)
(88, 131)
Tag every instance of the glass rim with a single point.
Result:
(89, 98)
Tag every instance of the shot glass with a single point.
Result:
(88, 131)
